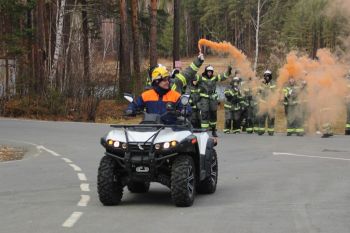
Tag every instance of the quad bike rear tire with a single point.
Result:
(109, 187)
(138, 187)
(208, 185)
(183, 181)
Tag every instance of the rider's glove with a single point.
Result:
(129, 112)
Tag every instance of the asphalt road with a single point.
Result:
(266, 184)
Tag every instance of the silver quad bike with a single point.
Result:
(177, 156)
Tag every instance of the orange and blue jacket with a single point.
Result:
(153, 102)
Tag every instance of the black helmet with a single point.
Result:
(174, 72)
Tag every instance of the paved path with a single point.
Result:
(266, 184)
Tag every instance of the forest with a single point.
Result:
(64, 57)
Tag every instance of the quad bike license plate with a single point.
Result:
(142, 169)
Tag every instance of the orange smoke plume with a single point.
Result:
(241, 60)
(326, 85)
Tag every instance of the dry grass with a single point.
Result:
(8, 153)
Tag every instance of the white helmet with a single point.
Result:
(209, 68)
(267, 72)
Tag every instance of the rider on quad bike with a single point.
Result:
(163, 148)
(156, 100)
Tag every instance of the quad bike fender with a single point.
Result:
(207, 159)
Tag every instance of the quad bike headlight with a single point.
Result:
(165, 145)
(116, 144)
(157, 146)
(124, 146)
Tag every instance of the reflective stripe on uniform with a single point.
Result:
(203, 95)
(249, 129)
(219, 77)
(299, 130)
(271, 130)
(174, 87)
(227, 106)
(194, 67)
(347, 126)
(182, 78)
(212, 123)
(290, 130)
(226, 130)
(203, 125)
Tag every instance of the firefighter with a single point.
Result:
(250, 105)
(209, 97)
(180, 79)
(267, 113)
(233, 107)
(292, 108)
(347, 126)
(303, 97)
(194, 101)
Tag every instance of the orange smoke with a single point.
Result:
(326, 86)
(241, 60)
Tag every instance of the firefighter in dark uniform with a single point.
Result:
(292, 108)
(209, 97)
(267, 113)
(233, 107)
(194, 102)
(249, 105)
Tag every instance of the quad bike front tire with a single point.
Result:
(138, 187)
(208, 185)
(109, 187)
(183, 181)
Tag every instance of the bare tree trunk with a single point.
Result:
(257, 27)
(187, 34)
(7, 88)
(136, 39)
(40, 72)
(67, 53)
(86, 52)
(125, 71)
(58, 44)
(153, 34)
(176, 34)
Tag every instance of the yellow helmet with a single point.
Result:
(159, 73)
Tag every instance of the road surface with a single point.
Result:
(266, 184)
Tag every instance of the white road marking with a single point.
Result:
(72, 219)
(75, 167)
(84, 187)
(75, 216)
(310, 156)
(48, 150)
(84, 200)
(82, 177)
(67, 160)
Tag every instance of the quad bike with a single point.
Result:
(177, 156)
